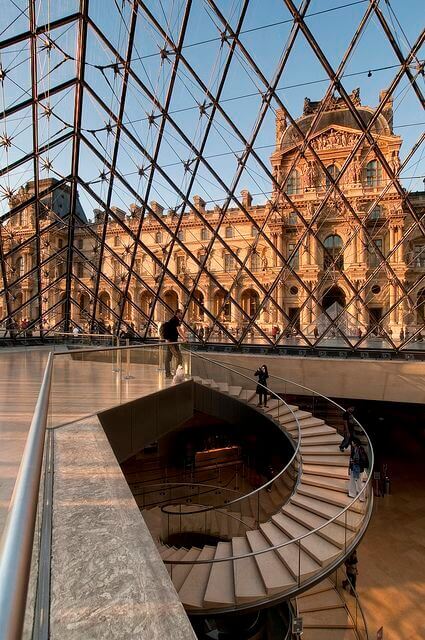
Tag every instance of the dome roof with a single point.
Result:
(340, 117)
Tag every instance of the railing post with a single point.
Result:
(299, 563)
(345, 531)
(128, 376)
(116, 367)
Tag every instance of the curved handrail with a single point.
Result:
(18, 536)
(191, 484)
(294, 540)
(123, 347)
(256, 491)
(358, 604)
(298, 539)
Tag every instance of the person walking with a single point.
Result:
(349, 426)
(351, 572)
(171, 330)
(262, 374)
(358, 463)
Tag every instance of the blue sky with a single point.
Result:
(265, 32)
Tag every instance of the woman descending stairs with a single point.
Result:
(298, 539)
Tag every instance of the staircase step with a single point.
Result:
(319, 601)
(223, 387)
(296, 415)
(312, 431)
(325, 450)
(249, 585)
(337, 484)
(276, 576)
(323, 585)
(176, 555)
(328, 439)
(192, 591)
(332, 532)
(334, 619)
(316, 633)
(350, 518)
(179, 572)
(326, 471)
(282, 409)
(309, 423)
(326, 460)
(327, 495)
(220, 589)
(295, 558)
(234, 391)
(165, 551)
(320, 549)
(273, 403)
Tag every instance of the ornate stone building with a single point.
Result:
(316, 259)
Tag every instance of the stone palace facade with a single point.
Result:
(350, 259)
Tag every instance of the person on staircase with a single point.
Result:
(358, 463)
(351, 572)
(349, 427)
(171, 331)
(262, 374)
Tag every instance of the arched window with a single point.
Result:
(250, 301)
(222, 312)
(420, 307)
(196, 309)
(255, 262)
(104, 304)
(205, 234)
(333, 172)
(293, 183)
(373, 173)
(19, 267)
(375, 214)
(228, 232)
(333, 256)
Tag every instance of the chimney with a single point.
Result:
(98, 215)
(199, 204)
(135, 210)
(387, 111)
(156, 207)
(246, 198)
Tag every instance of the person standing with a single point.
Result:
(171, 330)
(262, 374)
(349, 426)
(351, 572)
(358, 463)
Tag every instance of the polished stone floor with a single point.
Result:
(391, 580)
(79, 388)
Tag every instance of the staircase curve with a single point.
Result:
(282, 538)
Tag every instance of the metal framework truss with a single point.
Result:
(160, 155)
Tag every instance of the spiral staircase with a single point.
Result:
(277, 542)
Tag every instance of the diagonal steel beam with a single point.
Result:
(78, 109)
(171, 83)
(121, 111)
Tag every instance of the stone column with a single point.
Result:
(392, 301)
(392, 243)
(304, 311)
(363, 250)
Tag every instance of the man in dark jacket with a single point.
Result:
(349, 427)
(172, 329)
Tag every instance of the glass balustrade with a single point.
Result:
(87, 381)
